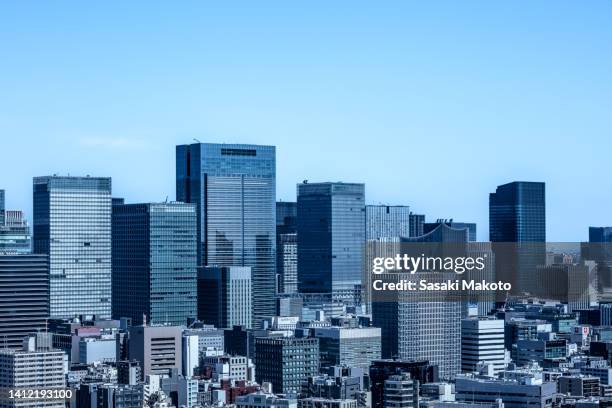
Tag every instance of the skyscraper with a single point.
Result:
(428, 325)
(600, 234)
(470, 226)
(286, 246)
(224, 296)
(154, 262)
(234, 190)
(416, 224)
(72, 225)
(517, 214)
(24, 285)
(15, 235)
(331, 238)
(384, 225)
(2, 207)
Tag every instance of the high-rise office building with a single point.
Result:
(331, 238)
(154, 262)
(384, 226)
(417, 222)
(600, 234)
(599, 249)
(482, 342)
(24, 285)
(234, 189)
(2, 207)
(225, 296)
(429, 326)
(517, 215)
(286, 246)
(36, 366)
(286, 362)
(470, 226)
(72, 225)
(15, 237)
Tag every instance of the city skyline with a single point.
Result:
(393, 97)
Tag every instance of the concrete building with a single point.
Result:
(37, 366)
(314, 402)
(515, 393)
(482, 342)
(263, 400)
(158, 349)
(401, 391)
(579, 385)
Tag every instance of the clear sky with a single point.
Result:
(431, 104)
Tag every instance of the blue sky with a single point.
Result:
(431, 104)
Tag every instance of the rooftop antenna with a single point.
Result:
(196, 140)
(166, 199)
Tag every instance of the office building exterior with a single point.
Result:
(15, 237)
(348, 346)
(286, 362)
(515, 393)
(36, 366)
(72, 225)
(517, 215)
(234, 190)
(384, 225)
(469, 226)
(24, 309)
(482, 342)
(154, 262)
(429, 325)
(225, 296)
(331, 237)
(286, 246)
(417, 222)
(401, 391)
(382, 370)
(158, 349)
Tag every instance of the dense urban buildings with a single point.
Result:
(154, 262)
(234, 190)
(15, 237)
(72, 226)
(225, 296)
(331, 236)
(24, 297)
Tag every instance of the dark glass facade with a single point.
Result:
(24, 300)
(517, 214)
(286, 246)
(72, 225)
(234, 190)
(331, 238)
(154, 262)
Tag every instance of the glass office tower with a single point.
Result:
(517, 214)
(72, 225)
(331, 239)
(155, 262)
(384, 225)
(234, 190)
